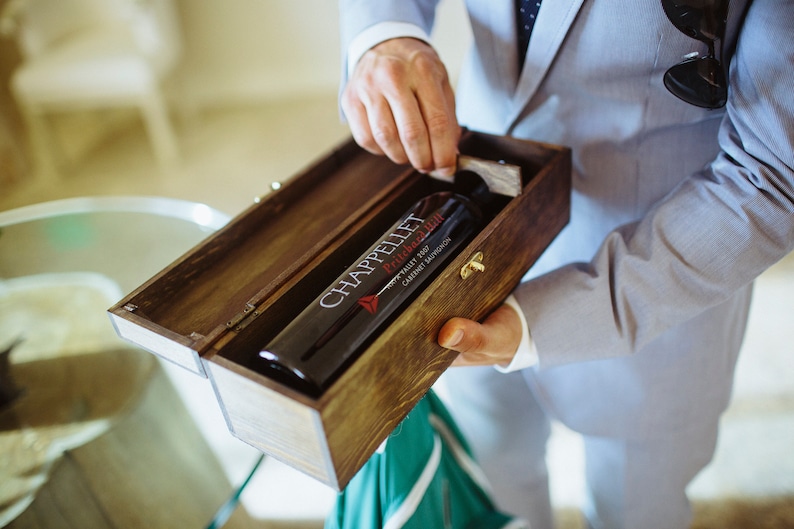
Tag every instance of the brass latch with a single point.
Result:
(474, 265)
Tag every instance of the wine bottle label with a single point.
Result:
(316, 347)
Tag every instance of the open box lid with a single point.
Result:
(220, 285)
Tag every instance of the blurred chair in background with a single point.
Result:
(93, 54)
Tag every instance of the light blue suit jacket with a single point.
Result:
(641, 301)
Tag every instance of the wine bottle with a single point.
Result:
(316, 347)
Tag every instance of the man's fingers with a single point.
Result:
(397, 78)
(384, 127)
(494, 341)
(437, 105)
(357, 119)
(399, 103)
(412, 132)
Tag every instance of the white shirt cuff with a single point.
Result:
(526, 354)
(380, 32)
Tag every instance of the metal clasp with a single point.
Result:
(248, 311)
(474, 265)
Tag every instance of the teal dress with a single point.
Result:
(422, 477)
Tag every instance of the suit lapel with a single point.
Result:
(554, 21)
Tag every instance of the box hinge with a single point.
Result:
(241, 320)
(132, 308)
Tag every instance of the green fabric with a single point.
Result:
(416, 481)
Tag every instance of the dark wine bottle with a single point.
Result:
(316, 347)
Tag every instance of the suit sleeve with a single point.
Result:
(712, 235)
(356, 16)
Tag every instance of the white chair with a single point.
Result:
(93, 54)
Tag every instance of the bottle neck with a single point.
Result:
(472, 186)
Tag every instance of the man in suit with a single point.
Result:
(628, 327)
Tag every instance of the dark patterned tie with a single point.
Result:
(526, 13)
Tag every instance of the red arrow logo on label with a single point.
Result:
(370, 303)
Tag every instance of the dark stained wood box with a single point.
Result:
(232, 293)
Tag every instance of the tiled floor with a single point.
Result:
(232, 155)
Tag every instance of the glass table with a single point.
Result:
(92, 431)
(99, 428)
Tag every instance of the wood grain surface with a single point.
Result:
(231, 294)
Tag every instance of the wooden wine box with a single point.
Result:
(213, 309)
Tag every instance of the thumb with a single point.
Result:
(461, 335)
(494, 341)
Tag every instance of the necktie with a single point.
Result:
(526, 13)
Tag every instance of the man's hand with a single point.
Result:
(492, 342)
(399, 102)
